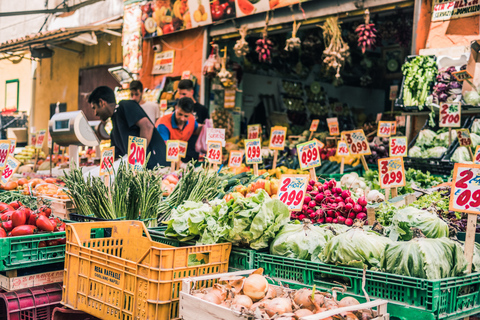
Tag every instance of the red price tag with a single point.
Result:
(253, 131)
(333, 128)
(4, 152)
(398, 146)
(476, 159)
(173, 151)
(342, 149)
(277, 138)
(308, 155)
(13, 144)
(106, 162)
(11, 167)
(292, 190)
(214, 152)
(391, 172)
(163, 105)
(253, 151)
(463, 136)
(137, 152)
(235, 159)
(314, 125)
(182, 146)
(465, 194)
(40, 138)
(357, 142)
(450, 115)
(384, 129)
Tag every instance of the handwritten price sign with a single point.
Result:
(463, 136)
(11, 167)
(214, 152)
(465, 195)
(314, 125)
(357, 142)
(308, 155)
(136, 152)
(384, 129)
(253, 131)
(342, 149)
(13, 145)
(392, 172)
(4, 152)
(394, 127)
(462, 75)
(216, 135)
(182, 146)
(333, 128)
(398, 146)
(277, 138)
(320, 144)
(173, 151)
(292, 190)
(106, 162)
(253, 151)
(40, 138)
(235, 159)
(450, 115)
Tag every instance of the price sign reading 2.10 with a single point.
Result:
(292, 190)
(357, 142)
(465, 195)
(392, 172)
(308, 155)
(253, 151)
(398, 146)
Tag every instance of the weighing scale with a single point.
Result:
(99, 128)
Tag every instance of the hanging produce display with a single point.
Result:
(294, 42)
(241, 47)
(336, 54)
(366, 33)
(264, 46)
(213, 64)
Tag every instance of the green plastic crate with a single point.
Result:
(23, 252)
(451, 298)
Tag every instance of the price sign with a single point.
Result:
(333, 128)
(357, 142)
(13, 144)
(49, 139)
(235, 159)
(465, 194)
(308, 155)
(342, 149)
(384, 129)
(106, 162)
(214, 152)
(253, 151)
(216, 135)
(476, 158)
(314, 125)
(40, 138)
(10, 168)
(186, 75)
(33, 140)
(292, 190)
(462, 75)
(56, 148)
(463, 136)
(137, 152)
(393, 92)
(391, 172)
(253, 131)
(450, 115)
(320, 144)
(398, 146)
(163, 105)
(173, 151)
(182, 148)
(4, 152)
(277, 138)
(394, 127)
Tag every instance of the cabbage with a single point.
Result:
(475, 139)
(441, 140)
(300, 241)
(425, 258)
(475, 127)
(405, 219)
(436, 152)
(415, 152)
(425, 138)
(355, 248)
(461, 155)
(472, 98)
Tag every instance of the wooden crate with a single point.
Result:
(12, 282)
(193, 308)
(60, 207)
(398, 202)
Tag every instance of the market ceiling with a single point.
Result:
(64, 8)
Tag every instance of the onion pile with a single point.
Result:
(327, 203)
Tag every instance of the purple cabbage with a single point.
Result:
(451, 69)
(442, 97)
(440, 87)
(454, 85)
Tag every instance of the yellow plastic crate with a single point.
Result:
(125, 275)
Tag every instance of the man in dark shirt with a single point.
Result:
(128, 119)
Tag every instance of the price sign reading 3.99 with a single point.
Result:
(106, 162)
(398, 146)
(173, 151)
(463, 136)
(253, 151)
(357, 142)
(235, 160)
(292, 190)
(450, 115)
(308, 155)
(391, 172)
(214, 152)
(342, 149)
(465, 194)
(277, 138)
(384, 129)
(136, 152)
(10, 168)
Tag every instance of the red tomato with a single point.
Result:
(3, 233)
(51, 243)
(26, 212)
(15, 204)
(46, 211)
(60, 226)
(44, 224)
(42, 244)
(5, 207)
(62, 241)
(33, 219)
(7, 225)
(23, 230)
(18, 218)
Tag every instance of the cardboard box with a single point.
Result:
(32, 280)
(473, 67)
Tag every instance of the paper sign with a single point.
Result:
(393, 92)
(333, 128)
(214, 152)
(277, 138)
(253, 152)
(476, 158)
(342, 149)
(235, 159)
(173, 151)
(186, 75)
(229, 98)
(163, 105)
(40, 138)
(465, 194)
(357, 142)
(319, 143)
(163, 62)
(462, 75)
(450, 115)
(182, 148)
(216, 135)
(137, 152)
(56, 148)
(33, 140)
(13, 144)
(384, 129)
(11, 167)
(393, 131)
(398, 147)
(106, 161)
(4, 152)
(292, 190)
(253, 131)
(308, 155)
(391, 172)
(314, 125)
(49, 139)
(463, 136)
(379, 117)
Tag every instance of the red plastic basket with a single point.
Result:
(30, 304)
(69, 314)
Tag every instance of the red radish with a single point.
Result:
(345, 194)
(327, 193)
(18, 218)
(341, 220)
(320, 213)
(309, 188)
(304, 208)
(338, 199)
(312, 204)
(365, 223)
(349, 222)
(357, 208)
(361, 216)
(307, 199)
(320, 188)
(314, 193)
(330, 213)
(321, 220)
(341, 204)
(337, 214)
(332, 183)
(351, 215)
(23, 230)
(312, 182)
(310, 211)
(319, 197)
(362, 201)
(348, 206)
(312, 216)
(301, 217)
(364, 209)
(293, 216)
(333, 205)
(338, 191)
(335, 220)
(329, 220)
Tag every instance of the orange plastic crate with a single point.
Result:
(128, 276)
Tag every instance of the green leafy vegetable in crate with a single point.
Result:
(419, 75)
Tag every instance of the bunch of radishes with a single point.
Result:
(366, 33)
(326, 203)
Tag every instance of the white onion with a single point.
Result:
(256, 287)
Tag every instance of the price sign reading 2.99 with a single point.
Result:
(465, 195)
(137, 151)
(391, 172)
(253, 151)
(357, 142)
(292, 190)
(308, 155)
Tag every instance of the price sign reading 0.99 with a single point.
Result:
(4, 152)
(476, 158)
(277, 138)
(384, 129)
(342, 149)
(333, 128)
(13, 144)
(292, 190)
(463, 136)
(106, 162)
(137, 152)
(465, 194)
(391, 172)
(253, 151)
(173, 151)
(235, 160)
(398, 146)
(357, 142)
(182, 148)
(308, 155)
(214, 152)
(450, 115)
(314, 125)
(253, 131)
(10, 168)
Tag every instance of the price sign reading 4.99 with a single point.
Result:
(173, 151)
(357, 142)
(465, 195)
(384, 129)
(342, 149)
(106, 162)
(292, 190)
(10, 168)
(235, 160)
(392, 172)
(253, 151)
(308, 155)
(463, 136)
(333, 128)
(277, 138)
(214, 152)
(450, 115)
(136, 152)
(398, 146)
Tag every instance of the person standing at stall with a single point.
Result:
(128, 119)
(186, 89)
(151, 108)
